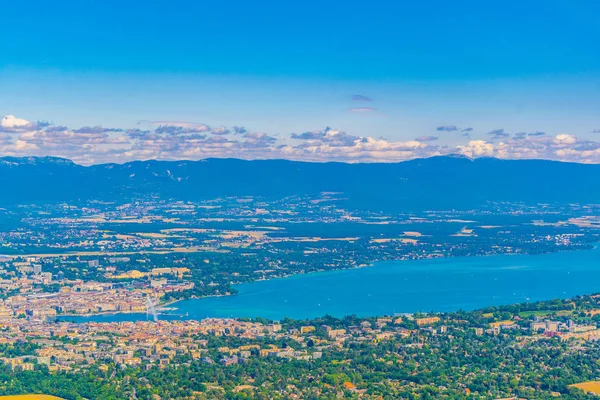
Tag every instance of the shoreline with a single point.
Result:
(576, 291)
(168, 303)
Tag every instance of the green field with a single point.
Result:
(543, 313)
(30, 397)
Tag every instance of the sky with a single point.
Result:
(113, 81)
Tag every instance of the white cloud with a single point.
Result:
(478, 148)
(565, 139)
(10, 123)
(170, 140)
(220, 131)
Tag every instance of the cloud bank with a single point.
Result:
(172, 140)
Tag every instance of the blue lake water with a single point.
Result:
(402, 286)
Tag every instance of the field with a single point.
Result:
(543, 313)
(589, 387)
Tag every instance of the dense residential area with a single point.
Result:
(535, 351)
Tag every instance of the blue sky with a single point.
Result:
(288, 67)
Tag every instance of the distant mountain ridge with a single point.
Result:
(16, 161)
(442, 182)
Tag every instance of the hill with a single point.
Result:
(432, 183)
(30, 397)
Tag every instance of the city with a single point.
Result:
(305, 200)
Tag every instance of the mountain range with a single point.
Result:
(443, 182)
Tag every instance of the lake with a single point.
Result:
(402, 286)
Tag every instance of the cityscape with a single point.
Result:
(315, 200)
(130, 265)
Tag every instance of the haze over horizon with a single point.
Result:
(103, 82)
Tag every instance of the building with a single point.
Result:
(427, 321)
(307, 329)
